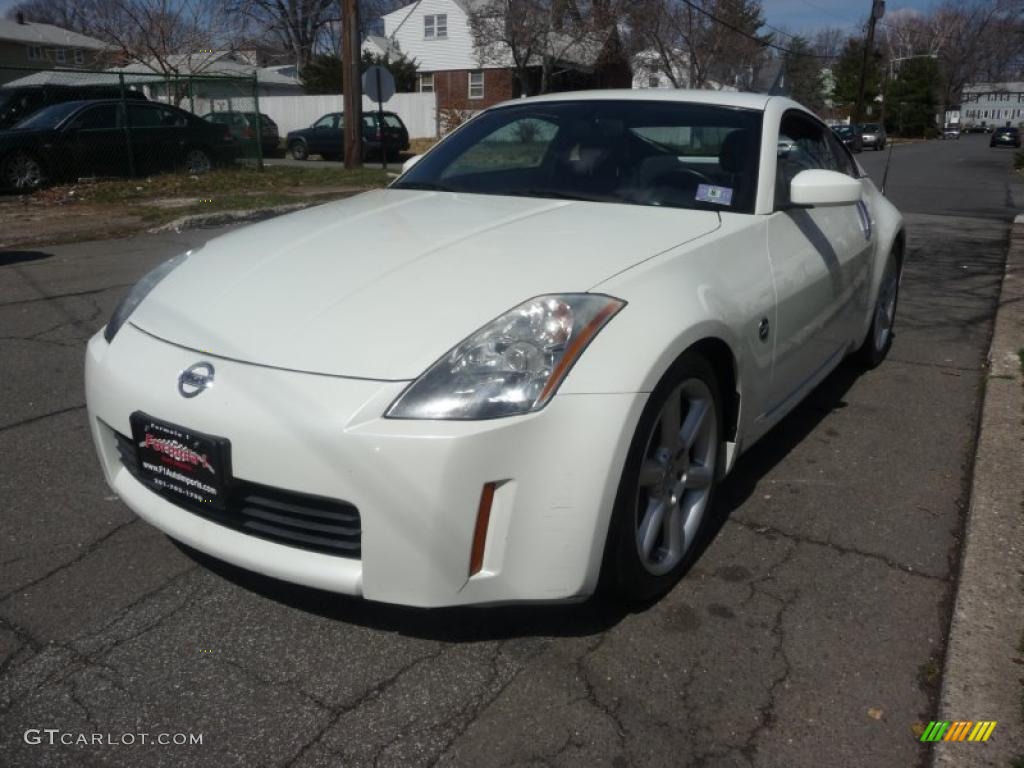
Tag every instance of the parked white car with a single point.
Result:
(521, 369)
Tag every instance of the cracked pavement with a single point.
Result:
(802, 636)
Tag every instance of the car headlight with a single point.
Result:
(513, 365)
(138, 292)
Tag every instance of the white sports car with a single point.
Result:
(518, 371)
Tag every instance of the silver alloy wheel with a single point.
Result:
(197, 161)
(885, 310)
(23, 172)
(676, 477)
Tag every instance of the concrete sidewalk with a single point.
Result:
(984, 672)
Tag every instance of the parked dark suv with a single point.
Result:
(108, 138)
(326, 137)
(243, 127)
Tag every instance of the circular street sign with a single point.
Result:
(378, 83)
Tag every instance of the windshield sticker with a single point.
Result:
(709, 193)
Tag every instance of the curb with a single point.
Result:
(983, 677)
(200, 220)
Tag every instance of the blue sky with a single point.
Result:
(807, 15)
(793, 15)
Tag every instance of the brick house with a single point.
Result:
(436, 34)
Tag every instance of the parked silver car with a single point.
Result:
(872, 136)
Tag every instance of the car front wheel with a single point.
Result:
(667, 485)
(879, 339)
(23, 172)
(298, 150)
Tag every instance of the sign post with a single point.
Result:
(379, 85)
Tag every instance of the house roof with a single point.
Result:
(32, 33)
(994, 88)
(215, 63)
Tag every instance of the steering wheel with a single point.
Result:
(678, 185)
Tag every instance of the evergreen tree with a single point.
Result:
(911, 100)
(323, 72)
(803, 74)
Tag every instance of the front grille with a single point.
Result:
(285, 517)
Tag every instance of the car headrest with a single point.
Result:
(734, 151)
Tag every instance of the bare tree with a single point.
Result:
(295, 24)
(972, 40)
(703, 43)
(540, 35)
(828, 42)
(168, 36)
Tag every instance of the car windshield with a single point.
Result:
(870, 128)
(844, 130)
(673, 154)
(49, 117)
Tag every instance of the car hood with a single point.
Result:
(381, 285)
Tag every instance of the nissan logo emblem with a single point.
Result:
(195, 379)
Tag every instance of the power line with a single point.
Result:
(753, 38)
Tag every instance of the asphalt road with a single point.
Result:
(808, 634)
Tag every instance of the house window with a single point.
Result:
(653, 81)
(435, 26)
(426, 82)
(79, 56)
(60, 55)
(476, 85)
(35, 52)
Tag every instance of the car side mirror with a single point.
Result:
(408, 164)
(821, 187)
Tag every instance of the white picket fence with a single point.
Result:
(417, 110)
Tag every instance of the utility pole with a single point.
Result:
(352, 83)
(877, 12)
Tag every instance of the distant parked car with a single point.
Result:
(19, 102)
(872, 135)
(1005, 137)
(108, 138)
(326, 137)
(850, 136)
(951, 131)
(243, 127)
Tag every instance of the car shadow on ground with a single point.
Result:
(7, 258)
(592, 617)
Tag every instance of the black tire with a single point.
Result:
(23, 172)
(879, 339)
(299, 150)
(625, 576)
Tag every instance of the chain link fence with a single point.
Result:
(62, 125)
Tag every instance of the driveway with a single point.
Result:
(809, 633)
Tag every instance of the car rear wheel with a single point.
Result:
(667, 486)
(198, 161)
(879, 340)
(23, 171)
(298, 150)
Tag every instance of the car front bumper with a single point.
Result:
(417, 484)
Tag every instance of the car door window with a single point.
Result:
(327, 121)
(142, 116)
(804, 145)
(100, 117)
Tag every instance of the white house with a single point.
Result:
(993, 104)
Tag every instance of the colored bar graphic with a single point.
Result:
(958, 730)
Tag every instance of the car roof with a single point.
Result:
(739, 99)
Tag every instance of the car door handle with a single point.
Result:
(763, 329)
